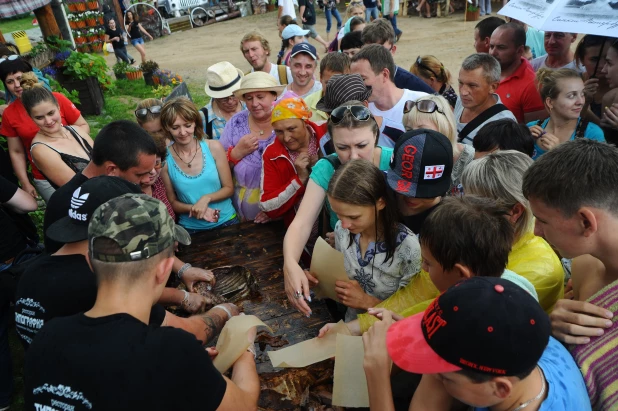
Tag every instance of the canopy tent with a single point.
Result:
(10, 8)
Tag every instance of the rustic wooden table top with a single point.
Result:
(259, 247)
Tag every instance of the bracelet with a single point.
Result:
(251, 349)
(229, 156)
(224, 308)
(182, 270)
(185, 299)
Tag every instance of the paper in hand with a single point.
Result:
(233, 340)
(310, 351)
(349, 381)
(328, 267)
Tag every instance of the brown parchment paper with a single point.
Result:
(233, 340)
(327, 265)
(349, 381)
(310, 351)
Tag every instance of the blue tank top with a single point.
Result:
(189, 189)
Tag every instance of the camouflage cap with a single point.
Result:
(139, 224)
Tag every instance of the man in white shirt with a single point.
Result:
(376, 66)
(478, 103)
(303, 62)
(286, 8)
(559, 54)
(256, 49)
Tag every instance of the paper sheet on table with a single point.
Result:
(349, 382)
(327, 265)
(310, 351)
(233, 340)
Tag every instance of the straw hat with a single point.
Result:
(258, 81)
(222, 79)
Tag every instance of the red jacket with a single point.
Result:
(280, 186)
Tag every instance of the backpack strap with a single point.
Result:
(207, 124)
(283, 74)
(480, 119)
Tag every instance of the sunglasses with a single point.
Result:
(419, 62)
(9, 58)
(160, 164)
(424, 106)
(143, 112)
(360, 113)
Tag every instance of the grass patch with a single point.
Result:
(13, 24)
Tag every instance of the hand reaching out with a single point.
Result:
(193, 275)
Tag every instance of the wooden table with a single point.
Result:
(259, 247)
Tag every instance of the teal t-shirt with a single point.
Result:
(567, 390)
(323, 171)
(593, 132)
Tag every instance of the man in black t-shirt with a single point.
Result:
(108, 357)
(420, 174)
(307, 13)
(114, 36)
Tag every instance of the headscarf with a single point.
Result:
(294, 107)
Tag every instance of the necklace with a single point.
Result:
(192, 158)
(261, 132)
(525, 404)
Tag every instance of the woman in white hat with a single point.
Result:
(291, 35)
(222, 80)
(245, 138)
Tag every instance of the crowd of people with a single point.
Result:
(476, 219)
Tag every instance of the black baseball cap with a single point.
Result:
(304, 48)
(421, 165)
(88, 197)
(484, 324)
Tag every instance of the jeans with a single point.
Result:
(371, 12)
(335, 12)
(485, 6)
(122, 55)
(394, 23)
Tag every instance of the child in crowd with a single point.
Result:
(148, 115)
(485, 343)
(381, 255)
(197, 179)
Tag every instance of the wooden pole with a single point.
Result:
(47, 21)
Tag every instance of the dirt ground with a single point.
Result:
(189, 53)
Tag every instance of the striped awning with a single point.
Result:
(10, 8)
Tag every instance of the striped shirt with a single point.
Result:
(598, 360)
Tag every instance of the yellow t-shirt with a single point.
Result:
(311, 100)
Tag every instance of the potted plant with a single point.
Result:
(99, 18)
(472, 12)
(161, 92)
(92, 5)
(101, 33)
(148, 68)
(96, 46)
(72, 5)
(83, 48)
(81, 20)
(61, 57)
(92, 34)
(120, 70)
(133, 73)
(80, 5)
(79, 37)
(87, 73)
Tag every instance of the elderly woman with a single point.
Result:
(434, 113)
(20, 129)
(287, 161)
(245, 138)
(222, 80)
(562, 92)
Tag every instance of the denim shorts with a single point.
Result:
(135, 42)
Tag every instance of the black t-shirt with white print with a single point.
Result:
(57, 286)
(119, 363)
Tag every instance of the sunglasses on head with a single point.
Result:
(9, 58)
(419, 62)
(143, 112)
(424, 106)
(360, 113)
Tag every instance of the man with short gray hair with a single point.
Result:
(478, 103)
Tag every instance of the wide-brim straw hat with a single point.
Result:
(258, 81)
(222, 80)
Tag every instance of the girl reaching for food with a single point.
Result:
(380, 254)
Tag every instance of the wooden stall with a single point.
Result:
(259, 247)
